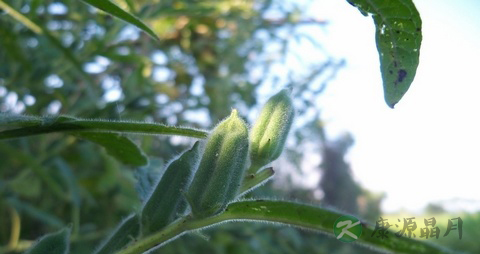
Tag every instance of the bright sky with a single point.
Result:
(426, 149)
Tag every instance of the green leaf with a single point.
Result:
(114, 10)
(284, 212)
(55, 243)
(147, 176)
(20, 17)
(9, 120)
(51, 124)
(126, 232)
(398, 37)
(120, 147)
(321, 219)
(35, 213)
(70, 57)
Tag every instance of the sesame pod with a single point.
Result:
(221, 169)
(167, 199)
(54, 243)
(270, 131)
(126, 232)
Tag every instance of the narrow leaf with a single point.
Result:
(147, 176)
(69, 55)
(120, 147)
(69, 124)
(35, 213)
(321, 219)
(284, 212)
(398, 37)
(9, 120)
(55, 243)
(20, 17)
(114, 10)
(166, 202)
(126, 232)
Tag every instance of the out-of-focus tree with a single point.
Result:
(339, 188)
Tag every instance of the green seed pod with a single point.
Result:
(167, 199)
(270, 131)
(221, 169)
(126, 232)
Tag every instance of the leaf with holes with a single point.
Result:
(398, 36)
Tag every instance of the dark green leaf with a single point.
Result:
(35, 213)
(147, 177)
(398, 36)
(120, 147)
(8, 120)
(288, 213)
(114, 10)
(55, 243)
(125, 233)
(51, 124)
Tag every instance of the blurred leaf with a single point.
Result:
(147, 176)
(126, 232)
(20, 17)
(69, 55)
(69, 180)
(120, 147)
(54, 243)
(398, 36)
(36, 213)
(114, 10)
(26, 185)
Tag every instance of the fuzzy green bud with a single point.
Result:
(167, 200)
(270, 131)
(221, 168)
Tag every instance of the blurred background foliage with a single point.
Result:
(212, 56)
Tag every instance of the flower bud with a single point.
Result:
(167, 199)
(270, 131)
(221, 168)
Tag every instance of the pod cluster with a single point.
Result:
(217, 171)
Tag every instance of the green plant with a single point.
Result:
(224, 173)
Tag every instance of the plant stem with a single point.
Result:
(253, 181)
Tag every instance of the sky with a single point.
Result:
(426, 149)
